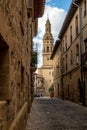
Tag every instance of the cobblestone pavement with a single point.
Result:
(56, 114)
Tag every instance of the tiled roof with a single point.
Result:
(66, 22)
(68, 17)
(55, 48)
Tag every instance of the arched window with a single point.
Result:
(47, 48)
(44, 49)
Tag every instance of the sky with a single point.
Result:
(56, 10)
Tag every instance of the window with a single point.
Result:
(63, 46)
(63, 66)
(77, 54)
(22, 78)
(66, 42)
(71, 58)
(76, 23)
(66, 62)
(86, 45)
(70, 75)
(58, 68)
(47, 48)
(70, 34)
(30, 3)
(86, 49)
(44, 49)
(47, 58)
(4, 72)
(84, 8)
(38, 81)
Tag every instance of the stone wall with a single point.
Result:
(15, 40)
(3, 115)
(71, 86)
(74, 81)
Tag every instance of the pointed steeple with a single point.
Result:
(48, 33)
(48, 25)
(47, 44)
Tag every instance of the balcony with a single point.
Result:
(84, 59)
(34, 61)
(39, 6)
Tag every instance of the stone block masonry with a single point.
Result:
(15, 48)
(18, 26)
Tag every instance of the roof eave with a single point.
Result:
(39, 6)
(57, 43)
(68, 18)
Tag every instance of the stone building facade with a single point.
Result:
(73, 42)
(38, 85)
(47, 68)
(18, 25)
(56, 56)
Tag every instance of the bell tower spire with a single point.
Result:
(48, 25)
(47, 67)
(47, 43)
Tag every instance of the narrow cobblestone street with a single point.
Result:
(56, 114)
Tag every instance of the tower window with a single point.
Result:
(44, 49)
(47, 58)
(47, 48)
(47, 29)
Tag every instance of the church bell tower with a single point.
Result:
(47, 44)
(47, 68)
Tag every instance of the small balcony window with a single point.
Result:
(77, 54)
(77, 59)
(66, 64)
(47, 48)
(84, 8)
(71, 58)
(76, 23)
(71, 34)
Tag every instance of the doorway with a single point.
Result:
(4, 70)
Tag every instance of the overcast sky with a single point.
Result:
(56, 10)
